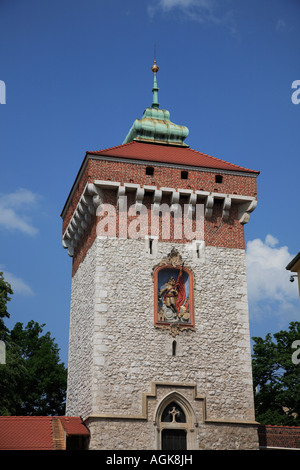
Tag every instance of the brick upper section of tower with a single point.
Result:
(154, 167)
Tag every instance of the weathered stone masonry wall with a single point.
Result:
(141, 434)
(116, 352)
(134, 353)
(80, 363)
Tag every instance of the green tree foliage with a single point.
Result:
(276, 378)
(33, 381)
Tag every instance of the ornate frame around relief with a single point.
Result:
(173, 294)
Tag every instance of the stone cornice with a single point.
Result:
(92, 197)
(95, 156)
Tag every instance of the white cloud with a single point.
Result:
(191, 8)
(18, 285)
(280, 25)
(271, 241)
(201, 11)
(13, 208)
(269, 288)
(169, 4)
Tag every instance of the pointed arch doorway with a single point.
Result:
(173, 437)
(175, 421)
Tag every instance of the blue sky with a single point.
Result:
(78, 73)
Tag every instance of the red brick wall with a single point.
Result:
(279, 436)
(216, 231)
(85, 244)
(165, 176)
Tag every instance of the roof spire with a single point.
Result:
(155, 68)
(155, 125)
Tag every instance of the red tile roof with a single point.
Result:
(169, 154)
(35, 432)
(26, 432)
(73, 426)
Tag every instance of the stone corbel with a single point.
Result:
(120, 198)
(78, 219)
(96, 194)
(157, 198)
(88, 202)
(80, 208)
(67, 244)
(139, 196)
(175, 201)
(209, 206)
(245, 210)
(192, 203)
(226, 208)
(73, 226)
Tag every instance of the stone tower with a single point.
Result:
(159, 346)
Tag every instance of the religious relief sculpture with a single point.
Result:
(173, 302)
(173, 293)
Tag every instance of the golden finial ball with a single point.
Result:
(155, 67)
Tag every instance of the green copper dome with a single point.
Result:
(155, 125)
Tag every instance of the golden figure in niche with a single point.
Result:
(170, 294)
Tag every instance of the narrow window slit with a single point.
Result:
(150, 171)
(184, 175)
